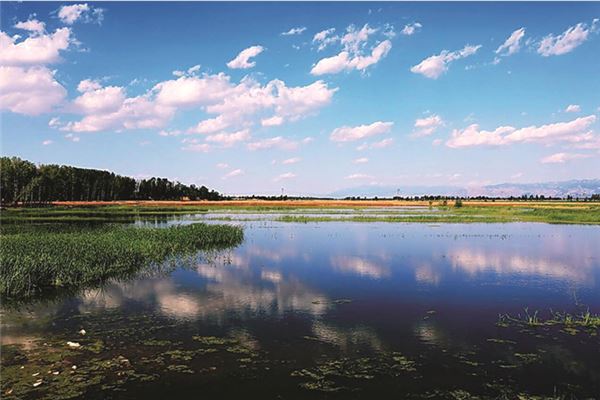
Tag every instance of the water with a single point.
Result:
(337, 310)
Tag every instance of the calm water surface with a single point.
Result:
(340, 310)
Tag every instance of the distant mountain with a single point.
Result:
(574, 188)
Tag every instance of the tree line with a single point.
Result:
(23, 182)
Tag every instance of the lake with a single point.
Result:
(331, 310)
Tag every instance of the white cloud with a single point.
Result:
(188, 91)
(32, 25)
(273, 121)
(294, 31)
(573, 108)
(359, 176)
(354, 38)
(72, 137)
(353, 133)
(292, 160)
(88, 85)
(234, 173)
(29, 91)
(278, 142)
(47, 142)
(222, 165)
(570, 131)
(427, 126)
(80, 12)
(325, 38)
(411, 29)
(287, 175)
(561, 158)
(361, 160)
(229, 139)
(353, 55)
(512, 44)
(96, 99)
(237, 106)
(567, 41)
(210, 125)
(345, 62)
(242, 61)
(35, 50)
(376, 145)
(433, 67)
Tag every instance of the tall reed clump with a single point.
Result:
(34, 262)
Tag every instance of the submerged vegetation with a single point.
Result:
(37, 260)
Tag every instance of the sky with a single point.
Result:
(308, 98)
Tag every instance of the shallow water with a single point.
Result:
(333, 310)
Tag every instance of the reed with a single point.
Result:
(33, 261)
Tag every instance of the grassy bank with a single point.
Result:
(356, 211)
(579, 215)
(34, 261)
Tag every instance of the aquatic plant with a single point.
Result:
(33, 262)
(569, 323)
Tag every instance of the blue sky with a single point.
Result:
(352, 94)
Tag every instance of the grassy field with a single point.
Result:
(38, 259)
(319, 211)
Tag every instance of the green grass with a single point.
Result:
(468, 214)
(36, 260)
(548, 213)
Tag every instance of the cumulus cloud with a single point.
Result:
(235, 106)
(47, 142)
(37, 49)
(32, 25)
(97, 99)
(27, 85)
(242, 61)
(210, 125)
(411, 29)
(427, 126)
(294, 31)
(80, 12)
(573, 108)
(561, 158)
(573, 131)
(361, 160)
(569, 40)
(433, 67)
(272, 121)
(29, 91)
(353, 133)
(229, 139)
(353, 56)
(512, 44)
